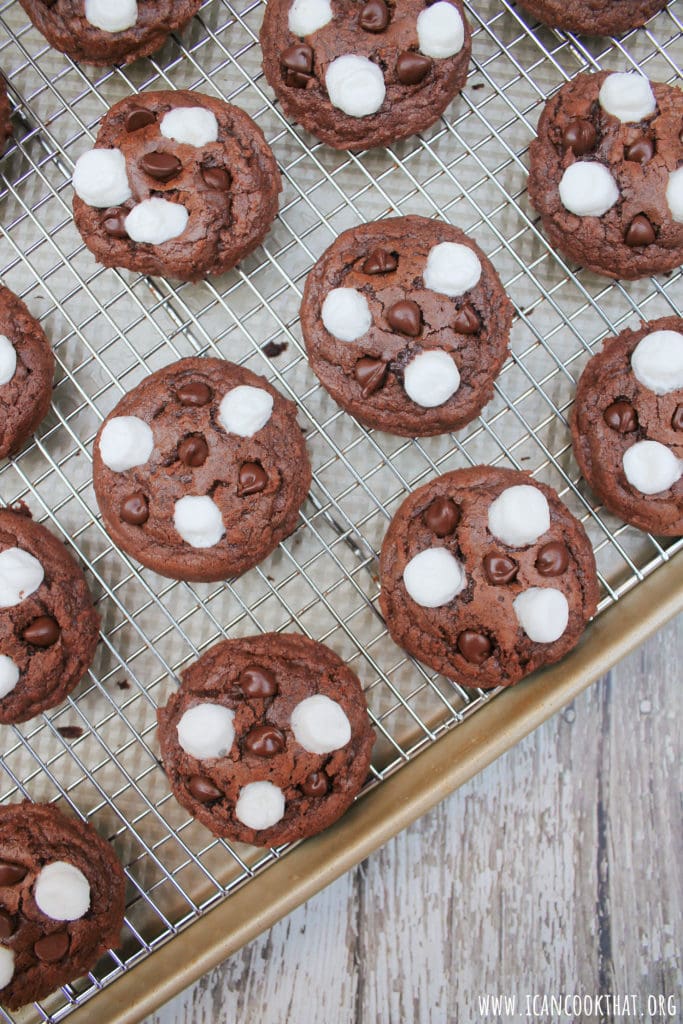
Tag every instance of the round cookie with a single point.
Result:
(200, 471)
(486, 576)
(27, 367)
(594, 17)
(103, 33)
(406, 325)
(606, 174)
(62, 899)
(6, 128)
(358, 75)
(267, 740)
(179, 184)
(627, 425)
(48, 627)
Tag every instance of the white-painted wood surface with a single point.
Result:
(555, 871)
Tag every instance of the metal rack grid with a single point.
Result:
(109, 329)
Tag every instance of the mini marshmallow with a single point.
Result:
(657, 361)
(434, 577)
(543, 613)
(8, 360)
(440, 30)
(6, 966)
(198, 520)
(260, 805)
(431, 378)
(627, 96)
(588, 189)
(452, 268)
(674, 195)
(126, 441)
(9, 677)
(519, 515)
(245, 410)
(156, 221)
(195, 126)
(320, 725)
(111, 17)
(307, 16)
(62, 891)
(355, 85)
(346, 314)
(20, 575)
(651, 467)
(207, 730)
(100, 178)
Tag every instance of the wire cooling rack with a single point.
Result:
(98, 752)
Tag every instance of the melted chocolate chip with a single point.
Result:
(370, 374)
(640, 151)
(677, 418)
(42, 632)
(139, 118)
(203, 789)
(52, 948)
(474, 647)
(70, 732)
(216, 178)
(161, 166)
(298, 57)
(580, 136)
(252, 479)
(265, 741)
(411, 67)
(374, 17)
(114, 223)
(7, 924)
(193, 451)
(552, 558)
(380, 261)
(405, 317)
(500, 568)
(274, 348)
(466, 321)
(621, 416)
(297, 80)
(314, 784)
(11, 874)
(639, 232)
(195, 393)
(442, 516)
(256, 681)
(134, 509)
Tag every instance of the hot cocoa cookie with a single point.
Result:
(358, 75)
(606, 173)
(594, 17)
(178, 184)
(486, 576)
(407, 325)
(627, 425)
(268, 739)
(62, 898)
(27, 367)
(200, 471)
(48, 626)
(98, 32)
(5, 111)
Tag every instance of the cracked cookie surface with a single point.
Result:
(27, 367)
(594, 17)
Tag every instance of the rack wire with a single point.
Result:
(97, 753)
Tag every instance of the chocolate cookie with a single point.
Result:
(6, 128)
(48, 626)
(27, 367)
(606, 173)
(179, 184)
(486, 576)
(268, 739)
(200, 471)
(627, 425)
(62, 898)
(594, 17)
(407, 325)
(358, 75)
(101, 32)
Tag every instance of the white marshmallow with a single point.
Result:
(100, 178)
(320, 725)
(156, 221)
(260, 805)
(9, 677)
(198, 520)
(674, 195)
(8, 359)
(111, 17)
(519, 515)
(440, 31)
(6, 966)
(207, 730)
(20, 575)
(355, 85)
(62, 891)
(195, 126)
(431, 378)
(126, 441)
(657, 361)
(307, 16)
(434, 577)
(543, 613)
(452, 268)
(588, 189)
(245, 410)
(627, 96)
(651, 467)
(346, 314)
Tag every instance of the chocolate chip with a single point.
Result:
(134, 509)
(370, 374)
(52, 948)
(70, 732)
(411, 67)
(621, 416)
(216, 178)
(374, 17)
(114, 223)
(552, 558)
(297, 80)
(161, 166)
(265, 741)
(203, 789)
(677, 418)
(639, 232)
(298, 57)
(11, 874)
(380, 261)
(466, 321)
(580, 136)
(500, 568)
(442, 516)
(42, 632)
(314, 784)
(274, 348)
(405, 317)
(195, 393)
(193, 451)
(474, 647)
(252, 479)
(640, 151)
(256, 681)
(139, 118)
(7, 924)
